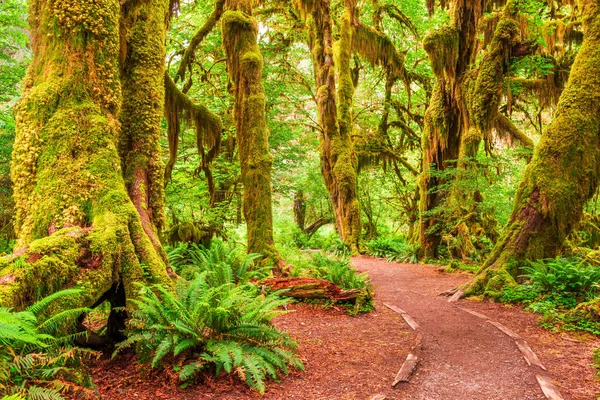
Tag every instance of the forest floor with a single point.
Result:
(463, 357)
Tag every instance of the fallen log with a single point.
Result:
(311, 288)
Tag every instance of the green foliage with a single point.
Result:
(223, 263)
(569, 279)
(200, 326)
(554, 288)
(36, 362)
(393, 249)
(340, 273)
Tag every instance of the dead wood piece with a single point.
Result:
(475, 313)
(528, 354)
(504, 329)
(410, 321)
(448, 292)
(550, 390)
(456, 296)
(311, 288)
(410, 364)
(394, 308)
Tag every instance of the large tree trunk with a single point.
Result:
(563, 174)
(244, 65)
(76, 225)
(338, 161)
(450, 49)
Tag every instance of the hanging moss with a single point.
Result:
(379, 49)
(488, 88)
(563, 174)
(244, 66)
(76, 224)
(180, 109)
(442, 47)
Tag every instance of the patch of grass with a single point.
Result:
(393, 250)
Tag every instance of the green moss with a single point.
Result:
(76, 224)
(244, 65)
(442, 46)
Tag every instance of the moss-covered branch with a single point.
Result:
(179, 108)
(190, 51)
(563, 174)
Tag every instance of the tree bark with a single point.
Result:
(562, 175)
(144, 29)
(451, 50)
(338, 161)
(76, 224)
(244, 65)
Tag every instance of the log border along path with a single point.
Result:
(461, 353)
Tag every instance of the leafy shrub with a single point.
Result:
(554, 288)
(340, 273)
(35, 362)
(223, 264)
(339, 248)
(568, 278)
(226, 327)
(393, 249)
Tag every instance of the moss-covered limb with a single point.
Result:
(144, 33)
(565, 168)
(209, 24)
(244, 66)
(77, 226)
(505, 127)
(488, 88)
(379, 50)
(179, 109)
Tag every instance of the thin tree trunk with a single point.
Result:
(244, 65)
(562, 176)
(144, 28)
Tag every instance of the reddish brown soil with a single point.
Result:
(463, 357)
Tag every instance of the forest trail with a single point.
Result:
(356, 358)
(465, 357)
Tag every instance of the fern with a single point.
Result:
(226, 326)
(32, 353)
(222, 264)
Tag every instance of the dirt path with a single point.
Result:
(463, 357)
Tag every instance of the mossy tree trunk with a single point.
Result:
(338, 160)
(451, 50)
(244, 66)
(76, 224)
(562, 175)
(144, 29)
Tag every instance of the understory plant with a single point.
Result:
(36, 360)
(554, 288)
(223, 327)
(393, 250)
(222, 262)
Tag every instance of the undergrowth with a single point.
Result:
(393, 250)
(554, 288)
(36, 360)
(201, 326)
